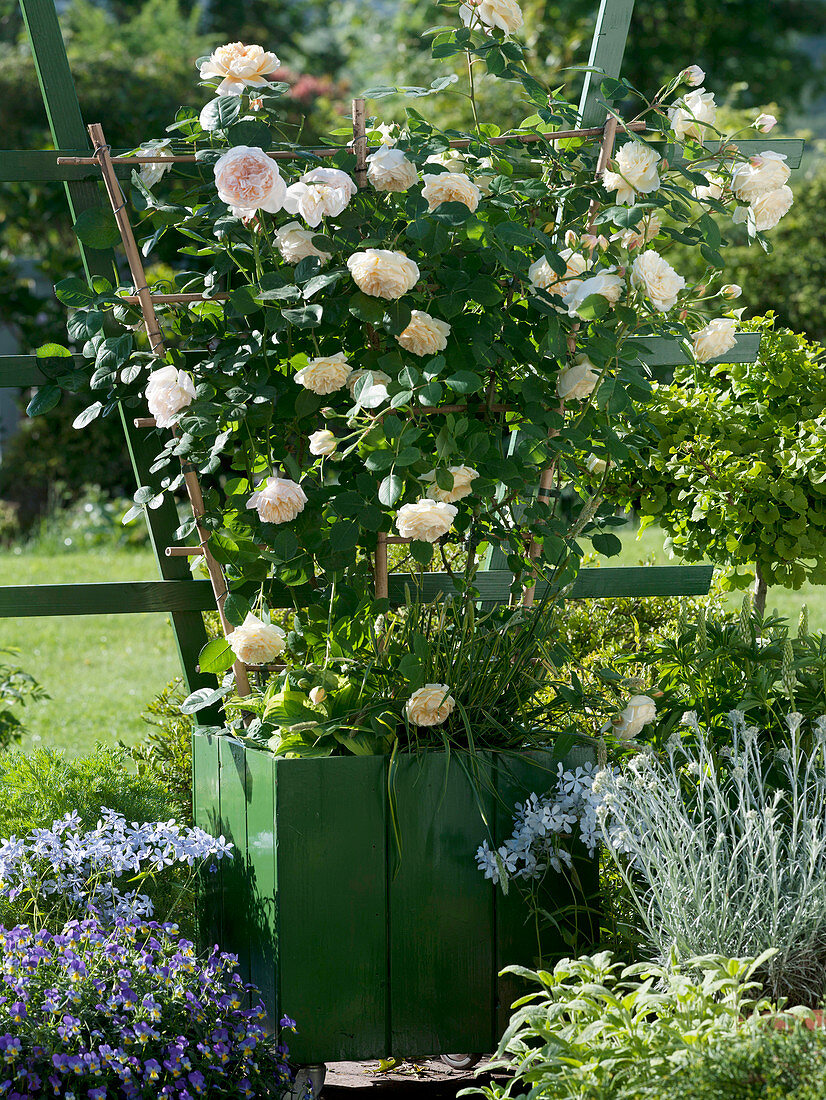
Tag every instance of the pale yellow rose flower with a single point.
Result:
(295, 244)
(578, 381)
(320, 193)
(639, 712)
(731, 291)
(317, 695)
(693, 76)
(424, 335)
(542, 275)
(640, 236)
(715, 339)
(323, 442)
(764, 123)
(382, 273)
(657, 279)
(636, 172)
(326, 374)
(606, 284)
(426, 520)
(239, 67)
(248, 180)
(430, 705)
(462, 487)
(764, 172)
(168, 391)
(450, 187)
(255, 642)
(278, 500)
(768, 209)
(499, 15)
(390, 170)
(694, 112)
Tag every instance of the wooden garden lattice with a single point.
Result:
(176, 593)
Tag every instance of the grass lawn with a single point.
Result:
(99, 670)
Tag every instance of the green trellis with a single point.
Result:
(176, 593)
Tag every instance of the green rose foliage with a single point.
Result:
(731, 462)
(499, 258)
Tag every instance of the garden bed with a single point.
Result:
(375, 949)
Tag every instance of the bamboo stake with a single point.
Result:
(175, 299)
(331, 151)
(609, 134)
(380, 578)
(360, 142)
(153, 333)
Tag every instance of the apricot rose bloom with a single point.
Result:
(768, 209)
(390, 170)
(426, 520)
(248, 180)
(239, 67)
(295, 243)
(499, 15)
(450, 187)
(715, 339)
(424, 335)
(430, 705)
(462, 478)
(278, 500)
(255, 642)
(382, 273)
(326, 374)
(169, 390)
(320, 193)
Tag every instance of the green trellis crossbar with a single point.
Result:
(177, 593)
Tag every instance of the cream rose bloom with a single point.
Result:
(693, 76)
(317, 695)
(382, 273)
(390, 170)
(731, 291)
(639, 711)
(768, 209)
(255, 642)
(499, 15)
(295, 243)
(764, 123)
(596, 465)
(636, 172)
(715, 339)
(323, 442)
(578, 381)
(278, 500)
(712, 190)
(462, 478)
(638, 238)
(320, 193)
(424, 335)
(373, 395)
(695, 112)
(450, 187)
(657, 279)
(239, 67)
(426, 520)
(765, 172)
(430, 705)
(542, 275)
(605, 283)
(169, 390)
(248, 180)
(326, 374)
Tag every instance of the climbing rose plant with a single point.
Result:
(406, 357)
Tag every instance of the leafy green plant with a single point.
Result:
(732, 464)
(759, 1064)
(591, 1029)
(164, 755)
(17, 689)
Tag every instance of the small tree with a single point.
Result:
(732, 464)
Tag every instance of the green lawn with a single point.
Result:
(99, 670)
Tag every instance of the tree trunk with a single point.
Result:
(760, 588)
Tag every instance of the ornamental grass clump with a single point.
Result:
(726, 852)
(128, 1012)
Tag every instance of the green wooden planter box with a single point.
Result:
(374, 952)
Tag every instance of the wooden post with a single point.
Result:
(380, 578)
(153, 332)
(360, 142)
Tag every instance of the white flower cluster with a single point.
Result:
(83, 868)
(543, 823)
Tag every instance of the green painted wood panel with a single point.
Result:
(332, 916)
(662, 351)
(518, 938)
(791, 148)
(494, 585)
(105, 598)
(237, 908)
(607, 51)
(441, 909)
(40, 166)
(206, 808)
(261, 877)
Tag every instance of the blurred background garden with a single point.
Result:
(62, 498)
